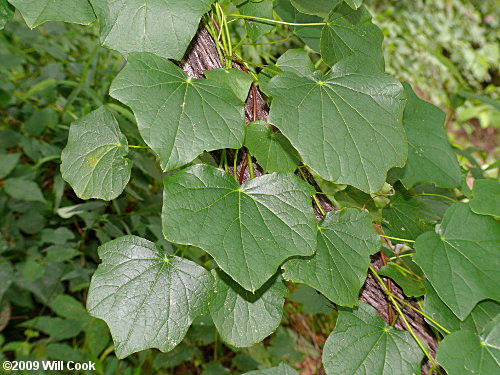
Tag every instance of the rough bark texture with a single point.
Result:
(202, 55)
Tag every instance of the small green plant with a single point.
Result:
(293, 196)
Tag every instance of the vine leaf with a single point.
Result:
(467, 352)
(296, 61)
(37, 12)
(6, 13)
(320, 8)
(338, 269)
(237, 80)
(282, 369)
(355, 112)
(273, 151)
(350, 32)
(162, 27)
(244, 318)
(486, 197)
(412, 287)
(430, 157)
(262, 9)
(147, 298)
(94, 161)
(362, 343)
(354, 4)
(461, 260)
(311, 35)
(177, 116)
(250, 229)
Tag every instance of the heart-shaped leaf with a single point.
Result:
(179, 117)
(461, 258)
(163, 27)
(362, 343)
(356, 113)
(244, 318)
(346, 239)
(147, 298)
(250, 229)
(321, 8)
(94, 161)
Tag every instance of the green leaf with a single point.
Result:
(237, 80)
(357, 113)
(6, 277)
(273, 151)
(179, 117)
(346, 239)
(282, 369)
(321, 8)
(67, 307)
(312, 301)
(56, 328)
(461, 258)
(351, 32)
(466, 352)
(296, 61)
(147, 298)
(486, 197)
(354, 4)
(7, 163)
(408, 216)
(94, 161)
(257, 8)
(430, 157)
(250, 229)
(163, 27)
(362, 343)
(309, 34)
(6, 13)
(36, 12)
(244, 318)
(24, 190)
(412, 287)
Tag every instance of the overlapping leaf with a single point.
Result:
(355, 114)
(179, 117)
(466, 352)
(6, 13)
(346, 239)
(272, 150)
(296, 61)
(430, 157)
(94, 161)
(237, 80)
(321, 8)
(461, 259)
(350, 32)
(162, 27)
(282, 369)
(36, 12)
(411, 285)
(244, 318)
(257, 8)
(147, 298)
(362, 343)
(354, 4)
(250, 229)
(486, 197)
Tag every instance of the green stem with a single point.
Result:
(266, 43)
(408, 326)
(253, 18)
(438, 195)
(396, 238)
(250, 164)
(314, 195)
(142, 147)
(235, 166)
(240, 42)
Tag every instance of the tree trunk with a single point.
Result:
(202, 55)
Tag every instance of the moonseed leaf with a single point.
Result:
(321, 8)
(162, 27)
(461, 260)
(147, 298)
(338, 269)
(250, 229)
(296, 61)
(357, 113)
(94, 161)
(362, 343)
(244, 318)
(354, 4)
(36, 12)
(261, 8)
(486, 197)
(237, 80)
(177, 116)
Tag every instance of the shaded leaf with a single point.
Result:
(147, 298)
(6, 277)
(6, 13)
(357, 112)
(321, 8)
(486, 197)
(346, 239)
(163, 27)
(250, 229)
(259, 8)
(354, 4)
(179, 117)
(312, 301)
(7, 163)
(412, 287)
(24, 190)
(282, 369)
(362, 343)
(461, 258)
(244, 318)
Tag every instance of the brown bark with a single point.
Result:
(202, 55)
